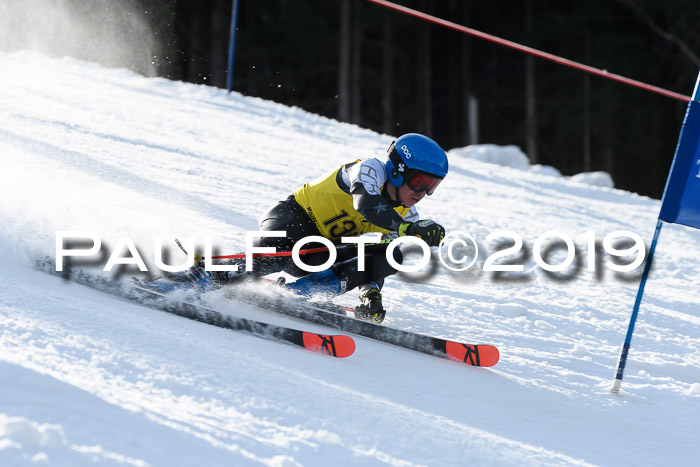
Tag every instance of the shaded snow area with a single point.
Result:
(86, 378)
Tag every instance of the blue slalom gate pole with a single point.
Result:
(231, 46)
(633, 319)
(680, 204)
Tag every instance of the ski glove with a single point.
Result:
(428, 230)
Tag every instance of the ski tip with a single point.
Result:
(335, 346)
(475, 355)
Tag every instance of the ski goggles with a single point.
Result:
(422, 182)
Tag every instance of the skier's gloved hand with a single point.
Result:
(428, 230)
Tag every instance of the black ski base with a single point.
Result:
(337, 346)
(329, 314)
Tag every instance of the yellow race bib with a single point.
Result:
(332, 211)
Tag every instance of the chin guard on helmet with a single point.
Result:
(395, 167)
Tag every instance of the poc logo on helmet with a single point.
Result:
(406, 152)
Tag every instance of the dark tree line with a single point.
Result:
(364, 64)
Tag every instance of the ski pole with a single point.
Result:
(301, 252)
(277, 253)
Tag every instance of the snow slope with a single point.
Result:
(87, 378)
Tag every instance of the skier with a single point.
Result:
(356, 198)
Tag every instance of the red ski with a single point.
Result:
(336, 346)
(475, 355)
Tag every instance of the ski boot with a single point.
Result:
(196, 277)
(371, 308)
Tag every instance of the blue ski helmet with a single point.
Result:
(418, 161)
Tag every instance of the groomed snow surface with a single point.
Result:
(86, 378)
